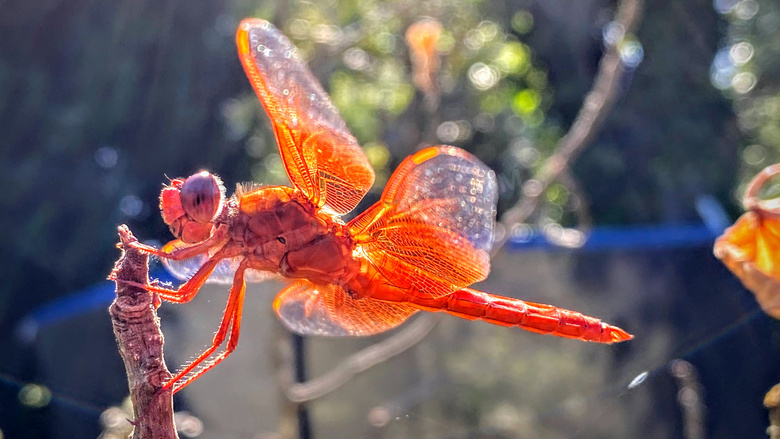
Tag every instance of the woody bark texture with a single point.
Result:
(140, 342)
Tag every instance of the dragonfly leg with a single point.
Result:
(186, 252)
(230, 321)
(187, 290)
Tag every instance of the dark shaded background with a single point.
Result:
(100, 101)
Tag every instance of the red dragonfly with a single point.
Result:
(418, 248)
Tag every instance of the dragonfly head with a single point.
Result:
(190, 206)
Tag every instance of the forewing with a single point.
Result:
(433, 228)
(222, 274)
(309, 309)
(321, 156)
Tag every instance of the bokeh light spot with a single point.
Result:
(326, 34)
(378, 155)
(274, 169)
(722, 70)
(131, 205)
(447, 131)
(532, 188)
(385, 42)
(526, 102)
(688, 397)
(521, 232)
(681, 368)
(537, 79)
(356, 59)
(238, 117)
(106, 157)
(34, 396)
(484, 122)
(446, 43)
(557, 194)
(743, 82)
(724, 6)
(298, 28)
(514, 126)
(454, 131)
(631, 53)
(741, 53)
(575, 406)
(746, 9)
(187, 424)
(513, 58)
(754, 154)
(638, 380)
(613, 33)
(525, 153)
(113, 418)
(483, 76)
(256, 146)
(378, 416)
(522, 22)
(489, 30)
(474, 39)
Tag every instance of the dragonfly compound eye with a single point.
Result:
(202, 195)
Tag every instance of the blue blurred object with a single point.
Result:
(626, 238)
(712, 213)
(97, 296)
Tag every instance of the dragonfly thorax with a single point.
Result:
(282, 231)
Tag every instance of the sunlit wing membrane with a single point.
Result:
(321, 156)
(222, 274)
(433, 228)
(309, 309)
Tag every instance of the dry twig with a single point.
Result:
(595, 108)
(690, 398)
(408, 336)
(140, 342)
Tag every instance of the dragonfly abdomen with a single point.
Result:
(535, 317)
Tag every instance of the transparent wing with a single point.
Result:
(433, 228)
(223, 273)
(310, 309)
(321, 156)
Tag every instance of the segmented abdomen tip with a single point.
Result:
(616, 335)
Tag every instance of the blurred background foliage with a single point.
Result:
(494, 92)
(745, 69)
(99, 102)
